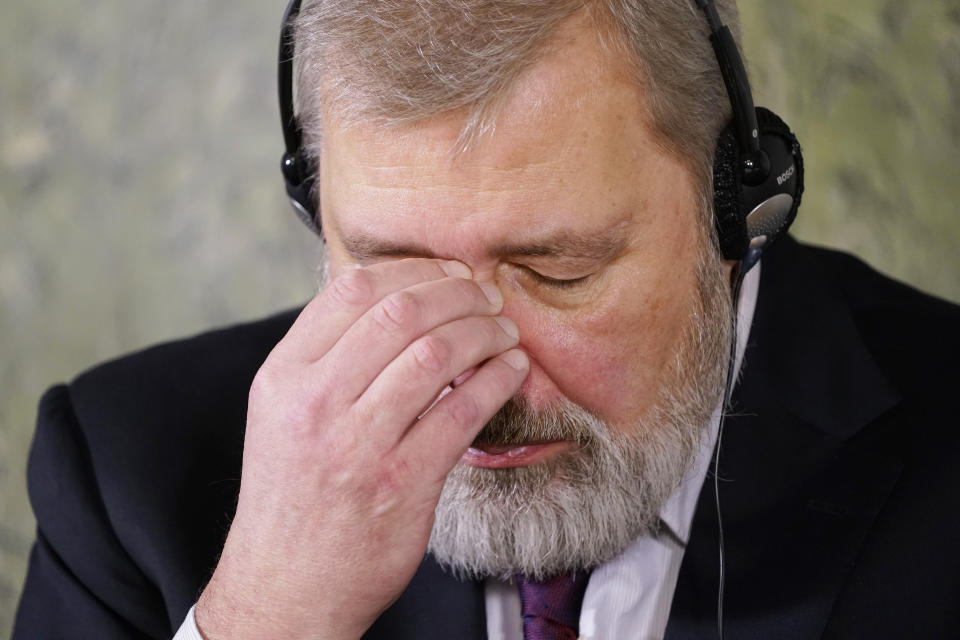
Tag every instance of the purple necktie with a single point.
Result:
(551, 609)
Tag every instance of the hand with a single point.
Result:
(340, 477)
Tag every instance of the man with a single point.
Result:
(513, 383)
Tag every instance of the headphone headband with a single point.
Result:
(734, 78)
(299, 172)
(292, 135)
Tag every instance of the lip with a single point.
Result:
(505, 456)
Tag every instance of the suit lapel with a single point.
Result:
(435, 606)
(798, 489)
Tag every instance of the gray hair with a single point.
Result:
(401, 61)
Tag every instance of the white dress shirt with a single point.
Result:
(629, 597)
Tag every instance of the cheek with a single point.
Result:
(610, 362)
(566, 363)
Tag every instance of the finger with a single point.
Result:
(391, 325)
(439, 439)
(324, 320)
(407, 386)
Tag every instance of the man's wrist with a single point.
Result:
(218, 615)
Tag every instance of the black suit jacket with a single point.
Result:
(841, 503)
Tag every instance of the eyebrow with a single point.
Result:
(363, 247)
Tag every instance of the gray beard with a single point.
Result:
(584, 507)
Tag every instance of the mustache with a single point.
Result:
(516, 422)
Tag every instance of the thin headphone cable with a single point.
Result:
(748, 262)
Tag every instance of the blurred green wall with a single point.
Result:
(140, 197)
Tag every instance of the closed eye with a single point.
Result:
(556, 283)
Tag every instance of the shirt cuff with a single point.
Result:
(188, 630)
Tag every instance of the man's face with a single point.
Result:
(590, 229)
(571, 187)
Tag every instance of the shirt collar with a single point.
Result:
(677, 513)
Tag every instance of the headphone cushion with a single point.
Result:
(770, 124)
(729, 219)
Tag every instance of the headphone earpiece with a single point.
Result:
(299, 176)
(751, 212)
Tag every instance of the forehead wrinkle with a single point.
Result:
(482, 171)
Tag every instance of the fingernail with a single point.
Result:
(456, 269)
(492, 292)
(516, 359)
(508, 326)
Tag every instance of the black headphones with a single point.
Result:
(757, 172)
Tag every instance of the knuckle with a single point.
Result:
(299, 399)
(432, 353)
(276, 399)
(464, 412)
(397, 310)
(312, 388)
(265, 382)
(354, 287)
